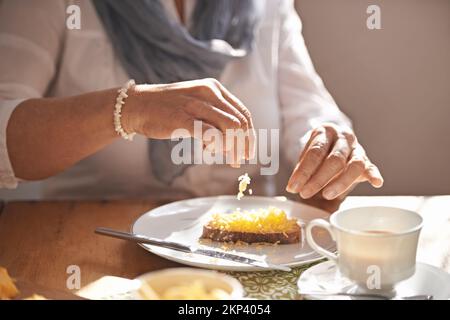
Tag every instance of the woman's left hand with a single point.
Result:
(332, 163)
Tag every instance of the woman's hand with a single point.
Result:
(332, 163)
(156, 111)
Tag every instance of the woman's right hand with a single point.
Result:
(156, 111)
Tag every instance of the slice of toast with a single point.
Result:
(288, 237)
(269, 225)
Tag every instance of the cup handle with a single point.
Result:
(309, 238)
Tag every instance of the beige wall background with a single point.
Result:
(394, 83)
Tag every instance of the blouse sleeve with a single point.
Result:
(305, 102)
(31, 35)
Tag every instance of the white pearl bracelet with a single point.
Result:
(120, 101)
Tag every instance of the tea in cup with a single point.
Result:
(376, 245)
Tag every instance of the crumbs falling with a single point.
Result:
(244, 181)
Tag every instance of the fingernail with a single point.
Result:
(293, 187)
(379, 183)
(306, 193)
(330, 194)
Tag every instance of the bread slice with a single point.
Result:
(289, 237)
(271, 225)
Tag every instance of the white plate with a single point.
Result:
(324, 277)
(183, 221)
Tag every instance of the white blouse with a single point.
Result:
(40, 57)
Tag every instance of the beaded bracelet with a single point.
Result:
(120, 101)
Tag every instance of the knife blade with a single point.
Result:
(183, 248)
(240, 259)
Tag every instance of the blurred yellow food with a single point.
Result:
(270, 220)
(147, 292)
(36, 297)
(7, 288)
(194, 290)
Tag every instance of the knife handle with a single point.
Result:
(142, 239)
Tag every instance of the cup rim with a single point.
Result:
(237, 290)
(333, 222)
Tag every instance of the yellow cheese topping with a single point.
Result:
(7, 288)
(270, 220)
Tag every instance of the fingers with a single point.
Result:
(188, 122)
(371, 172)
(334, 163)
(313, 134)
(358, 169)
(346, 180)
(312, 158)
(251, 137)
(234, 144)
(211, 91)
(209, 117)
(374, 176)
(206, 112)
(240, 145)
(203, 100)
(208, 134)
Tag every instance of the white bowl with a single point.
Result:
(162, 280)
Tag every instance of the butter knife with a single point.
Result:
(183, 248)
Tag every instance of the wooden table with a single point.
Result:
(40, 240)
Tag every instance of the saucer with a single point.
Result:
(325, 277)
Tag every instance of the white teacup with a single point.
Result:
(376, 245)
